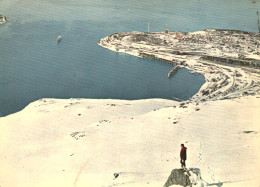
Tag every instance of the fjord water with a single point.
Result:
(34, 66)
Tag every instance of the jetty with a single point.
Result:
(173, 71)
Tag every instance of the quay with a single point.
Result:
(173, 62)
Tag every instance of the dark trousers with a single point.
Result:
(183, 165)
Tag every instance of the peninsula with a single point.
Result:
(229, 59)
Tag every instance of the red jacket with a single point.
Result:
(183, 153)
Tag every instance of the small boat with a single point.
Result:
(2, 19)
(59, 39)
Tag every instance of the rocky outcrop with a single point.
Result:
(2, 19)
(187, 177)
(178, 177)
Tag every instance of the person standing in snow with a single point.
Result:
(183, 155)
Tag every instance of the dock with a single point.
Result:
(173, 71)
(172, 62)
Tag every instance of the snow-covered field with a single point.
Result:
(83, 142)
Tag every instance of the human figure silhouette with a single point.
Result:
(183, 155)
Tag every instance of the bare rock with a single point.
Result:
(178, 177)
(185, 177)
(116, 175)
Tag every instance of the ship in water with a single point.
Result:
(2, 19)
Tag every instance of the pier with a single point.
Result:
(173, 62)
(173, 71)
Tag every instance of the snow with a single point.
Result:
(257, 57)
(134, 138)
(199, 32)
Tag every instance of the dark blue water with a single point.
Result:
(34, 66)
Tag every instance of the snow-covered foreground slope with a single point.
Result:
(83, 142)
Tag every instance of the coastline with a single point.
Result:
(79, 142)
